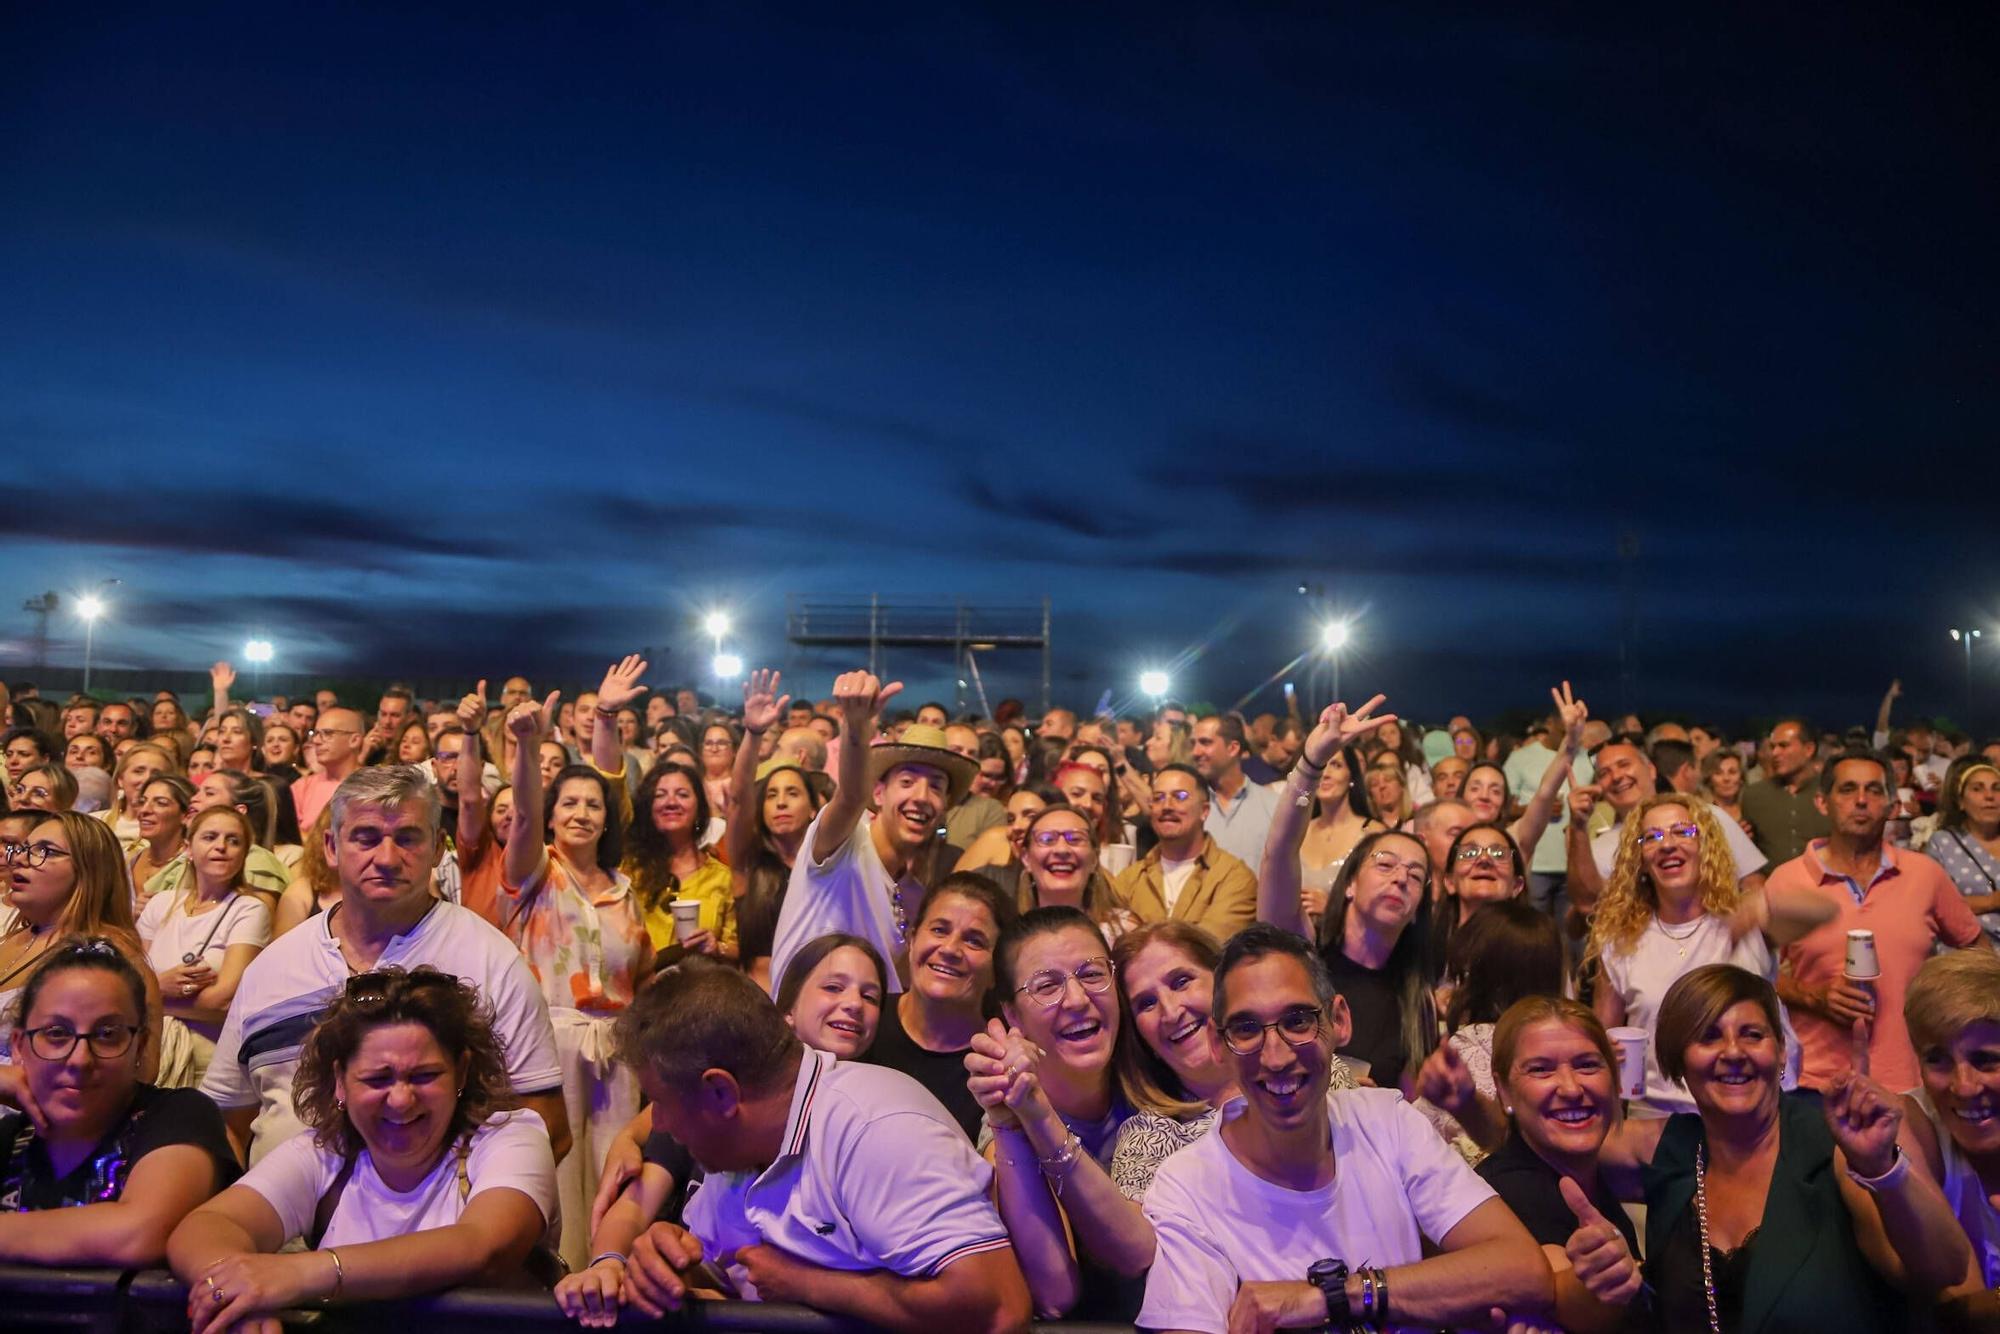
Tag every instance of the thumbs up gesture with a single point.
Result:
(1597, 1251)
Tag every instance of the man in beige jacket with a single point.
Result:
(1188, 877)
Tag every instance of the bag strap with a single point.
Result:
(323, 1211)
(1971, 857)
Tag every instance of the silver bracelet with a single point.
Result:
(607, 1255)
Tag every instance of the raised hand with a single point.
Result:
(762, 704)
(222, 676)
(1574, 713)
(532, 721)
(860, 698)
(1863, 1116)
(1338, 729)
(1597, 1251)
(472, 708)
(621, 683)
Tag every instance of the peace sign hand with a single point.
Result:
(1337, 729)
(1574, 713)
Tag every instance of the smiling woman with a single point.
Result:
(417, 1176)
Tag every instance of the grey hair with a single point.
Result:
(386, 785)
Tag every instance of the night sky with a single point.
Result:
(483, 340)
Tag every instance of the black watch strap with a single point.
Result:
(1330, 1277)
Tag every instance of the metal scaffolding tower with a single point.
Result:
(966, 629)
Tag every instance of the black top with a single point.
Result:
(663, 1150)
(1530, 1187)
(1675, 1273)
(158, 1118)
(1375, 1002)
(942, 1072)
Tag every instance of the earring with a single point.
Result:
(340, 1106)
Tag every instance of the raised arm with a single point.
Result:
(762, 707)
(859, 697)
(472, 774)
(1278, 900)
(621, 685)
(1584, 881)
(221, 676)
(1881, 737)
(1534, 821)
(1901, 1221)
(526, 853)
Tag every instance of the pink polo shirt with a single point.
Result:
(1911, 905)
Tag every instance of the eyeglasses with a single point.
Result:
(1388, 863)
(1685, 833)
(1178, 795)
(34, 854)
(1048, 987)
(22, 792)
(1048, 838)
(1472, 854)
(1245, 1036)
(54, 1042)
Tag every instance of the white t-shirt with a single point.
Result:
(874, 1175)
(170, 935)
(286, 987)
(1174, 877)
(1396, 1183)
(850, 891)
(511, 1150)
(1749, 861)
(1661, 957)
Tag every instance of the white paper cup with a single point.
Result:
(1861, 960)
(687, 917)
(1115, 858)
(1631, 1045)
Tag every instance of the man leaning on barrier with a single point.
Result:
(841, 1186)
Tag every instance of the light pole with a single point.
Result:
(1333, 637)
(1965, 637)
(717, 625)
(90, 607)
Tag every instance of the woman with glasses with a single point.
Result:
(1044, 1073)
(68, 878)
(200, 937)
(1059, 869)
(97, 1167)
(718, 750)
(1484, 865)
(1671, 905)
(419, 1173)
(997, 852)
(43, 787)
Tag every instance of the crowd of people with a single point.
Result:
(1191, 1021)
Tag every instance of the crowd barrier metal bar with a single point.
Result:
(152, 1301)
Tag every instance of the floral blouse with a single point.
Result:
(588, 951)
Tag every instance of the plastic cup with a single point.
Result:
(687, 917)
(1116, 858)
(1862, 964)
(1631, 1045)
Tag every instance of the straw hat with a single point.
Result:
(924, 745)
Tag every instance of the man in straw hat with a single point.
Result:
(865, 858)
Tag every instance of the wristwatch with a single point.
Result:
(1330, 1277)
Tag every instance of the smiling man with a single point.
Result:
(1304, 1210)
(861, 871)
(383, 844)
(1626, 777)
(1187, 877)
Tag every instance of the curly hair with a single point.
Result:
(1629, 902)
(448, 1007)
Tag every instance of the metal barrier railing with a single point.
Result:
(153, 1301)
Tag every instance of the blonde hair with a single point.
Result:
(170, 765)
(1950, 993)
(1629, 900)
(100, 902)
(249, 836)
(1149, 1084)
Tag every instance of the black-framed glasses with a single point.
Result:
(1047, 987)
(107, 1042)
(1299, 1026)
(33, 855)
(1686, 833)
(1473, 854)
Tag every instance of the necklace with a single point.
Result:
(1701, 1217)
(1681, 939)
